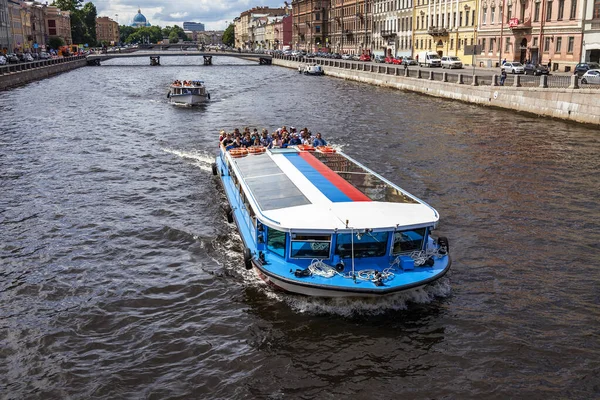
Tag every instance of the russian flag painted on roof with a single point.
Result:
(333, 186)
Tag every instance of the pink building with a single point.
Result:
(283, 32)
(536, 30)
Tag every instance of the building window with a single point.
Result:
(460, 19)
(508, 12)
(546, 45)
(492, 16)
(570, 45)
(318, 29)
(596, 14)
(573, 9)
(549, 11)
(507, 45)
(491, 45)
(535, 42)
(536, 12)
(318, 16)
(558, 45)
(561, 9)
(451, 44)
(458, 43)
(484, 16)
(466, 18)
(473, 18)
(483, 45)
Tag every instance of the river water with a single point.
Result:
(122, 279)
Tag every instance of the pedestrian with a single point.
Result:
(502, 77)
(504, 61)
(549, 63)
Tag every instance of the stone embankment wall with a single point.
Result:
(22, 74)
(578, 105)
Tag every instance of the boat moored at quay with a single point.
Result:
(316, 222)
(188, 93)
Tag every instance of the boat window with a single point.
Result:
(310, 246)
(276, 241)
(365, 244)
(407, 241)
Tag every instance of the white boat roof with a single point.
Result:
(306, 191)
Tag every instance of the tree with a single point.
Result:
(228, 35)
(67, 5)
(55, 42)
(173, 38)
(88, 16)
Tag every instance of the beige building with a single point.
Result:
(445, 27)
(107, 31)
(58, 23)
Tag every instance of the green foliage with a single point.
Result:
(67, 5)
(142, 35)
(173, 38)
(228, 35)
(55, 42)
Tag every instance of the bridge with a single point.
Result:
(155, 55)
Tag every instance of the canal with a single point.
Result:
(122, 279)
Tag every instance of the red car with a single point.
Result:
(365, 57)
(397, 61)
(389, 60)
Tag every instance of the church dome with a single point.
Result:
(139, 20)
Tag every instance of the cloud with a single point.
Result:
(214, 14)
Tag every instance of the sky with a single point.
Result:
(214, 14)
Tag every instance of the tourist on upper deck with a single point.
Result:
(276, 141)
(319, 141)
(222, 135)
(227, 140)
(295, 140)
(307, 140)
(247, 140)
(237, 143)
(265, 140)
(236, 132)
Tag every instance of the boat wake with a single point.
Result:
(352, 307)
(201, 159)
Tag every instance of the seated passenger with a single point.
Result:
(247, 140)
(227, 141)
(265, 140)
(307, 141)
(276, 141)
(319, 141)
(222, 135)
(295, 140)
(237, 143)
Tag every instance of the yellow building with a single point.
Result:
(107, 31)
(445, 27)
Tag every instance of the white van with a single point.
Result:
(429, 59)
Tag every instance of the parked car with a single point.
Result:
(451, 62)
(365, 57)
(12, 58)
(379, 59)
(397, 61)
(3, 60)
(535, 70)
(346, 56)
(591, 76)
(429, 59)
(25, 57)
(389, 60)
(44, 55)
(582, 68)
(513, 67)
(408, 60)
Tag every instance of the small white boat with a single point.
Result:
(188, 93)
(316, 222)
(311, 69)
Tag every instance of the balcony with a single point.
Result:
(435, 31)
(388, 33)
(516, 25)
(348, 32)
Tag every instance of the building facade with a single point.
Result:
(246, 23)
(309, 24)
(350, 26)
(590, 45)
(58, 23)
(539, 31)
(392, 28)
(139, 20)
(107, 31)
(5, 31)
(282, 32)
(445, 27)
(193, 26)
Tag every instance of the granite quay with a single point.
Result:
(13, 75)
(555, 96)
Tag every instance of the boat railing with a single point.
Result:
(391, 184)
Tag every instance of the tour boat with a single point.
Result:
(188, 93)
(316, 222)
